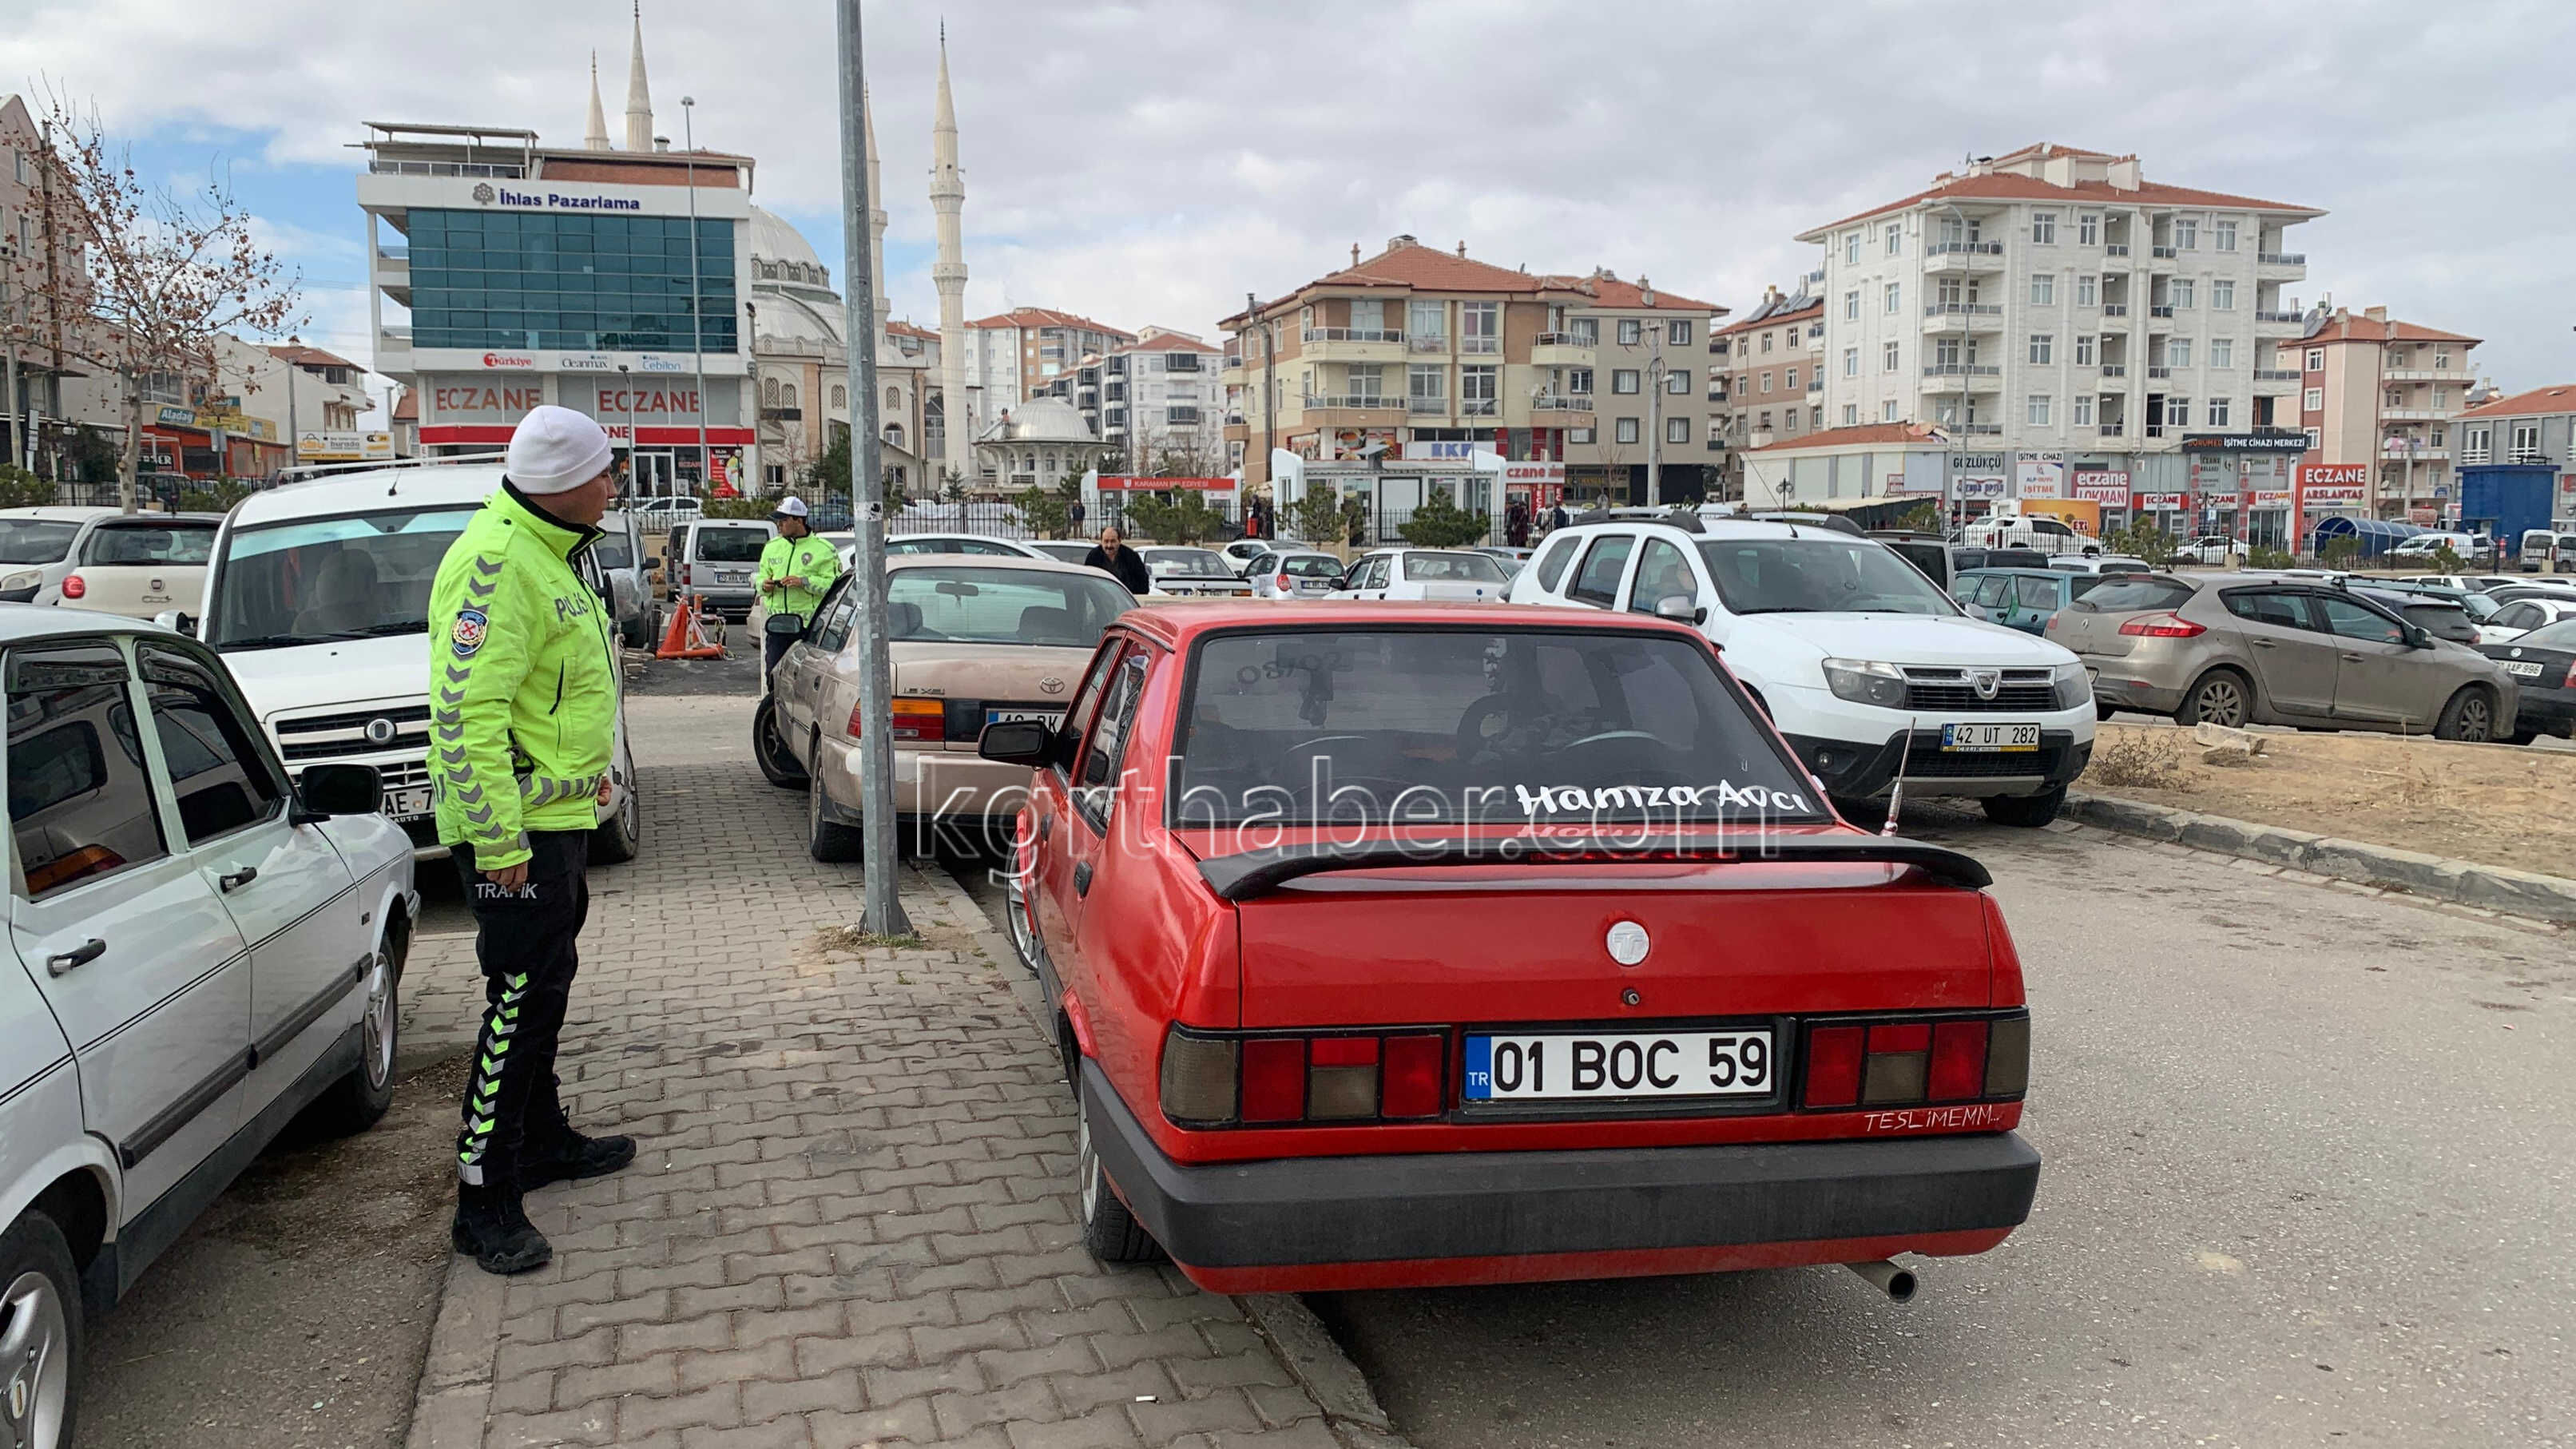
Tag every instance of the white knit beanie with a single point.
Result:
(556, 449)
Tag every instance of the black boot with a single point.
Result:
(575, 1157)
(494, 1231)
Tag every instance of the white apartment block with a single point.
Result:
(1163, 399)
(2054, 300)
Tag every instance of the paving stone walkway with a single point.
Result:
(851, 1221)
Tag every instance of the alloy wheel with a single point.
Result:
(35, 1354)
(2477, 721)
(2222, 702)
(1086, 1164)
(378, 1024)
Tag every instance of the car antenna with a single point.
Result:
(1896, 795)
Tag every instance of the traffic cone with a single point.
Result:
(687, 638)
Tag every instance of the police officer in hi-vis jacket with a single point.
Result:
(523, 721)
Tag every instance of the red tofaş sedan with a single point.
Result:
(1401, 945)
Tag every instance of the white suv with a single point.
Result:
(197, 954)
(1865, 666)
(319, 600)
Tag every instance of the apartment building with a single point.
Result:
(1648, 385)
(1032, 352)
(1423, 353)
(2053, 301)
(2382, 393)
(1766, 377)
(2531, 434)
(1161, 400)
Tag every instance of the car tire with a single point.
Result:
(1109, 1230)
(776, 765)
(827, 840)
(620, 837)
(41, 1327)
(2220, 697)
(358, 1100)
(2026, 812)
(2469, 717)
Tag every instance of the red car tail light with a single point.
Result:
(2161, 626)
(2570, 681)
(74, 586)
(1216, 1079)
(1912, 1062)
(1833, 1066)
(1958, 1061)
(916, 720)
(1274, 1079)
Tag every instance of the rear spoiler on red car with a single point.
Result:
(1258, 872)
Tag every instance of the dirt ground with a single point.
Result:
(2495, 804)
(295, 1314)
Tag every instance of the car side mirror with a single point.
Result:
(177, 621)
(1680, 607)
(2418, 637)
(1016, 742)
(323, 791)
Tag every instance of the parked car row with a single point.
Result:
(1165, 779)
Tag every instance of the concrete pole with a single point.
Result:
(1654, 417)
(880, 910)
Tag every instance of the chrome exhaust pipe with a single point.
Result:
(1897, 1283)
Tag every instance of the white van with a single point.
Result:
(2546, 551)
(715, 558)
(318, 599)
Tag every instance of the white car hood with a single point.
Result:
(1894, 639)
(351, 673)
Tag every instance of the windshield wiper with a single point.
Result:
(267, 641)
(412, 626)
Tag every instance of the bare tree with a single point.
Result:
(157, 277)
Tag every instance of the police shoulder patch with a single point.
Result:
(466, 634)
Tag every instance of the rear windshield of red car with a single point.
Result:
(1469, 725)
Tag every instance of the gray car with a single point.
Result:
(2238, 649)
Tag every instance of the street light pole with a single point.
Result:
(697, 305)
(880, 909)
(634, 460)
(1655, 416)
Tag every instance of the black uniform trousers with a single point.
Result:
(524, 939)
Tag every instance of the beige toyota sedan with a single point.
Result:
(974, 640)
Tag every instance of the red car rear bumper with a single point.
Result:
(1317, 1224)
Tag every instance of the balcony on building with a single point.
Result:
(1815, 384)
(2158, 372)
(2267, 318)
(1479, 407)
(391, 338)
(1963, 317)
(2425, 374)
(1427, 407)
(2417, 415)
(2115, 249)
(2282, 266)
(1963, 256)
(2281, 379)
(1353, 409)
(1566, 410)
(1562, 349)
(1352, 344)
(1953, 377)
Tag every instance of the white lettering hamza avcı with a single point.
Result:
(1722, 795)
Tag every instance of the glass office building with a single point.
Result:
(531, 280)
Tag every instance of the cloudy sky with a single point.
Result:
(1152, 162)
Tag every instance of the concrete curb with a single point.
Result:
(455, 1398)
(2467, 883)
(1305, 1348)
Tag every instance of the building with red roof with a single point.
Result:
(2382, 393)
(1595, 381)
(2053, 304)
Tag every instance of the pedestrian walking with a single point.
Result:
(795, 569)
(1556, 518)
(1516, 525)
(523, 688)
(1111, 555)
